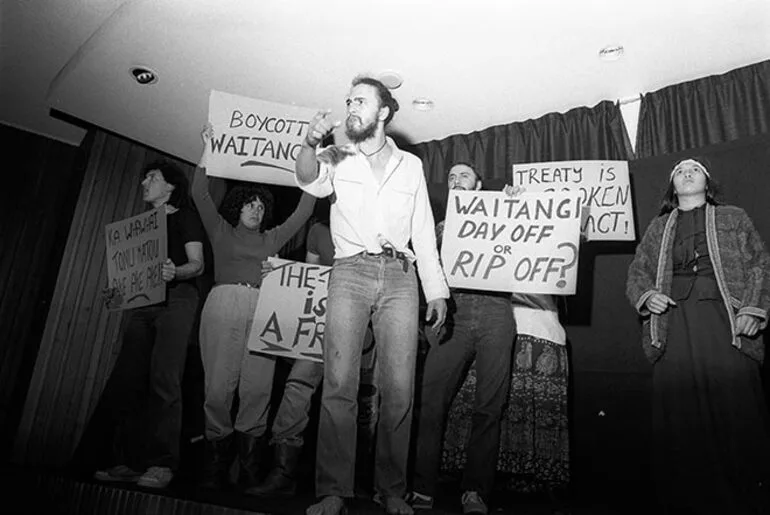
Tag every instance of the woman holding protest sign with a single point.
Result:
(143, 397)
(241, 241)
(701, 282)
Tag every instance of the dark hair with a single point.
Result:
(383, 93)
(173, 175)
(239, 196)
(671, 201)
(466, 163)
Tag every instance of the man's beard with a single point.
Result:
(357, 135)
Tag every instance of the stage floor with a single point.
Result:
(52, 492)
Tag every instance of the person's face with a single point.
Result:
(155, 189)
(252, 214)
(462, 177)
(690, 180)
(364, 113)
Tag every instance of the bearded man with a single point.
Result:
(380, 203)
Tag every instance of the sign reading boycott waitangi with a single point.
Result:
(291, 311)
(604, 189)
(136, 250)
(527, 244)
(255, 140)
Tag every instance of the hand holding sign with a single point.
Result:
(207, 134)
(168, 270)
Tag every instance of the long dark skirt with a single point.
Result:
(711, 432)
(534, 437)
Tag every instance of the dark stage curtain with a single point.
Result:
(582, 133)
(707, 111)
(37, 200)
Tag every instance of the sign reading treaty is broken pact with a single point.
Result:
(604, 189)
(136, 251)
(527, 244)
(255, 140)
(291, 312)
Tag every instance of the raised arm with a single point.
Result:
(200, 188)
(307, 161)
(286, 230)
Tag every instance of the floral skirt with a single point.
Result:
(534, 438)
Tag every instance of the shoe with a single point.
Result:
(217, 458)
(419, 501)
(156, 477)
(280, 481)
(118, 474)
(251, 459)
(473, 504)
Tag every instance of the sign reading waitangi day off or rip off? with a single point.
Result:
(290, 316)
(527, 244)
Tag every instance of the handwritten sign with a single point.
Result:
(255, 140)
(528, 243)
(291, 311)
(136, 250)
(604, 191)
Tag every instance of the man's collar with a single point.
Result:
(397, 152)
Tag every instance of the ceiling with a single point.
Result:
(482, 62)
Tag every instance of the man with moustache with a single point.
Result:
(380, 203)
(479, 326)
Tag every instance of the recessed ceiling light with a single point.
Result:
(611, 53)
(422, 104)
(144, 75)
(391, 79)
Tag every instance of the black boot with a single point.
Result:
(218, 455)
(281, 481)
(250, 458)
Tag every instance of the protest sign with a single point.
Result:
(527, 244)
(291, 312)
(136, 250)
(604, 188)
(255, 140)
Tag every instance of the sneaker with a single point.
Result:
(156, 477)
(419, 501)
(473, 504)
(118, 474)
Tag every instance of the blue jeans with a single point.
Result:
(479, 326)
(305, 376)
(365, 288)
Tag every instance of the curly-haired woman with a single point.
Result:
(240, 243)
